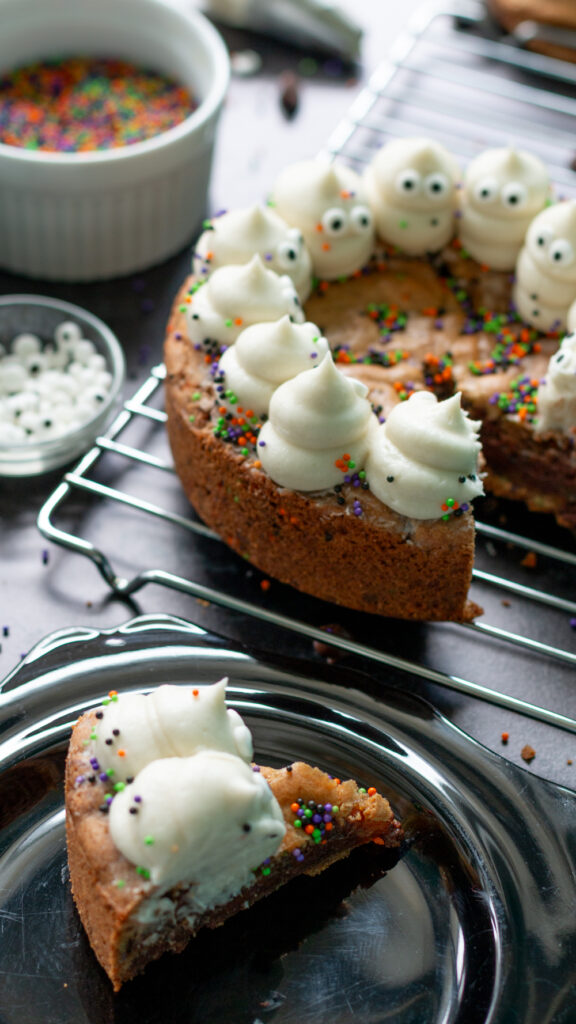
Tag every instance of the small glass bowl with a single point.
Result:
(39, 315)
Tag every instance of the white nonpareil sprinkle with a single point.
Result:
(48, 390)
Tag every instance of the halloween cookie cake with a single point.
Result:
(172, 828)
(330, 430)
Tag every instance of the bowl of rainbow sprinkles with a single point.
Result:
(108, 114)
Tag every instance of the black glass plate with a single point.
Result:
(475, 923)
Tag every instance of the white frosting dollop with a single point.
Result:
(316, 418)
(411, 185)
(208, 820)
(266, 355)
(236, 296)
(545, 285)
(235, 236)
(423, 459)
(328, 204)
(504, 189)
(172, 721)
(557, 391)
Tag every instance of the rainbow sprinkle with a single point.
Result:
(82, 104)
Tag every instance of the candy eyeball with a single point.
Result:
(436, 186)
(515, 195)
(561, 253)
(486, 191)
(67, 333)
(360, 220)
(542, 238)
(24, 345)
(408, 182)
(334, 221)
(288, 253)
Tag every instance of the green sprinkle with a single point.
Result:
(93, 736)
(143, 872)
(119, 786)
(266, 871)
(196, 396)
(149, 840)
(119, 883)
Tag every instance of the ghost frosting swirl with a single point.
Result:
(411, 186)
(234, 297)
(320, 423)
(545, 285)
(266, 355)
(235, 237)
(208, 819)
(328, 204)
(503, 191)
(173, 721)
(423, 459)
(557, 391)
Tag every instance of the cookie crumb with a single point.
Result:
(530, 560)
(527, 753)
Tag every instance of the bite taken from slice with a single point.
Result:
(171, 827)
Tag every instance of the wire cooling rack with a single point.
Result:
(447, 77)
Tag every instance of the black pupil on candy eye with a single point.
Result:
(485, 193)
(436, 186)
(541, 240)
(336, 224)
(291, 255)
(408, 184)
(557, 256)
(513, 199)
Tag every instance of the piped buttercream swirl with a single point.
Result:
(208, 820)
(504, 189)
(316, 419)
(235, 236)
(411, 186)
(557, 391)
(236, 296)
(329, 205)
(423, 459)
(266, 355)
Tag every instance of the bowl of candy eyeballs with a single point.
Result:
(108, 115)
(61, 376)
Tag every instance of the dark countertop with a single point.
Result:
(44, 587)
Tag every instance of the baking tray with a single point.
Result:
(475, 923)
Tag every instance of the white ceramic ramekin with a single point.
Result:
(93, 215)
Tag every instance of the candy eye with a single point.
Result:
(561, 252)
(334, 221)
(360, 219)
(436, 186)
(514, 195)
(408, 183)
(288, 254)
(486, 191)
(543, 238)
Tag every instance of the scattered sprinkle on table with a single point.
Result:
(81, 104)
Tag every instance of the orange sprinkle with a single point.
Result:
(257, 463)
(319, 227)
(195, 693)
(238, 321)
(209, 256)
(121, 753)
(328, 826)
(505, 737)
(326, 246)
(324, 286)
(294, 808)
(113, 693)
(265, 584)
(372, 791)
(309, 829)
(378, 840)
(430, 311)
(294, 520)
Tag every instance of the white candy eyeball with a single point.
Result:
(24, 345)
(22, 402)
(334, 221)
(514, 195)
(82, 350)
(287, 255)
(13, 378)
(67, 333)
(408, 182)
(11, 433)
(542, 238)
(561, 253)
(360, 220)
(36, 363)
(486, 191)
(436, 186)
(56, 358)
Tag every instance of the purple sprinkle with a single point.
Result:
(464, 506)
(316, 818)
(103, 777)
(255, 768)
(5, 630)
(178, 336)
(94, 763)
(79, 780)
(268, 256)
(137, 799)
(45, 556)
(573, 623)
(327, 808)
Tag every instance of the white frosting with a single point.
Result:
(266, 355)
(411, 185)
(316, 418)
(557, 392)
(545, 284)
(327, 202)
(237, 235)
(234, 297)
(209, 820)
(503, 191)
(173, 721)
(424, 456)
